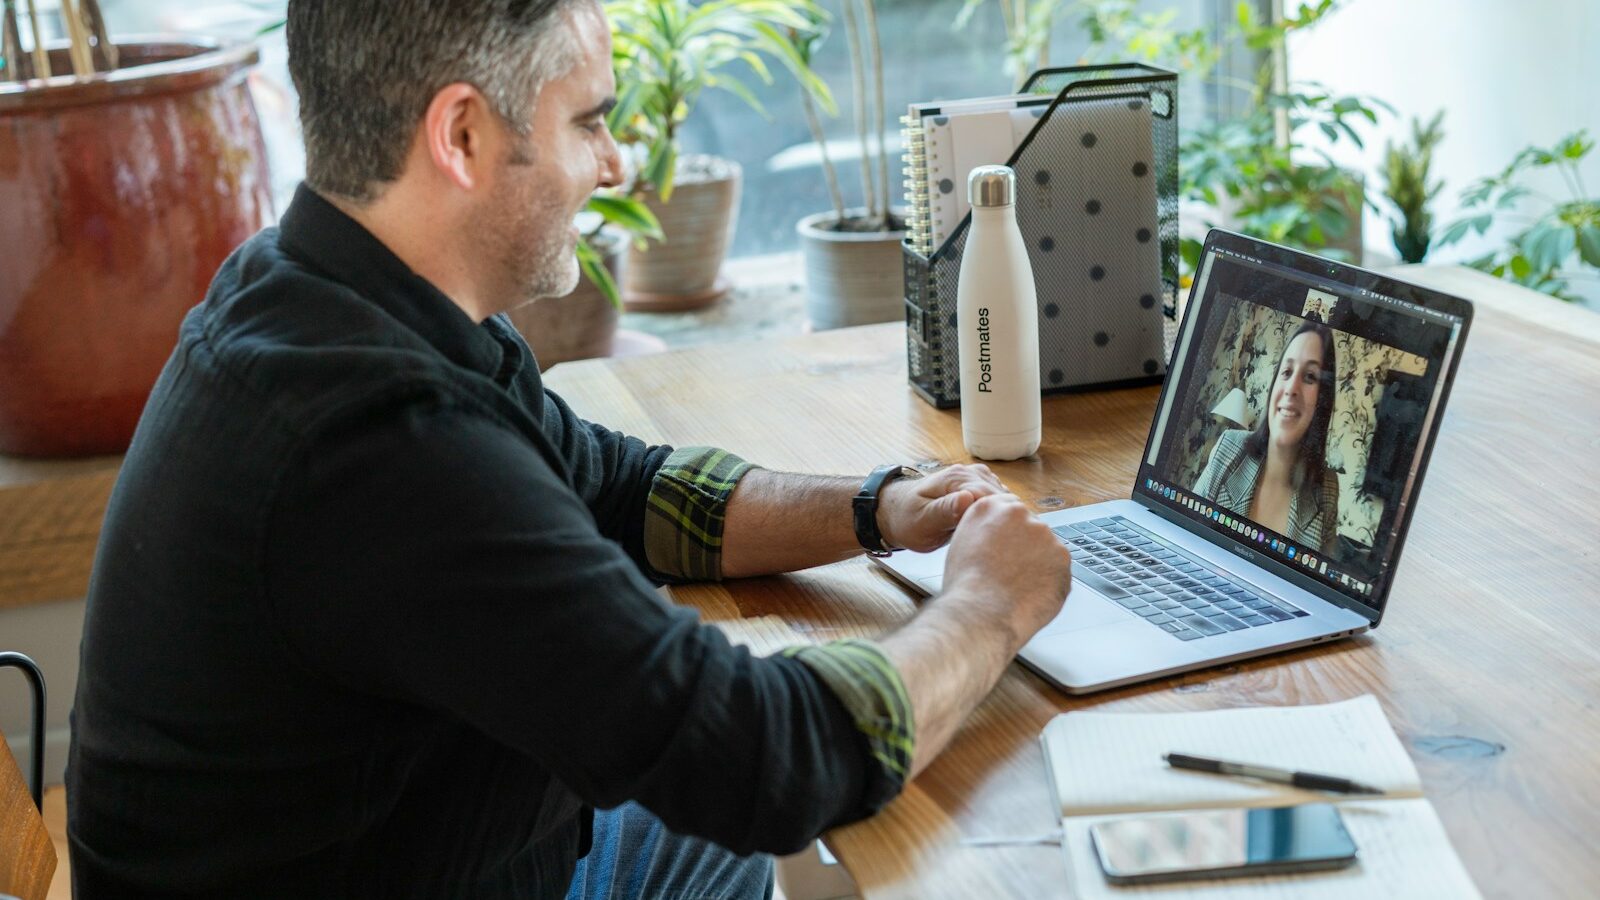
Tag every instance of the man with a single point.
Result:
(373, 613)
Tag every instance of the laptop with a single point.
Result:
(1278, 480)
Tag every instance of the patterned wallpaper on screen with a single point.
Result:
(1248, 347)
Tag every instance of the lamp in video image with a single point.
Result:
(1302, 428)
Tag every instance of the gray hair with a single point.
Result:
(366, 71)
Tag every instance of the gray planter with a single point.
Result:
(852, 277)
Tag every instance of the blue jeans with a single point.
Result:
(635, 856)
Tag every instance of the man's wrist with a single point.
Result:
(983, 612)
(885, 516)
(867, 506)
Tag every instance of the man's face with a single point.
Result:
(542, 181)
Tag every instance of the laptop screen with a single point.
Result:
(1298, 420)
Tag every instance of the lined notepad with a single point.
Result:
(1109, 765)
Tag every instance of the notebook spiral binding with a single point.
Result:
(1087, 341)
(918, 227)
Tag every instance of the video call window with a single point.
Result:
(1302, 411)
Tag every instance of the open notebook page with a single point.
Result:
(1402, 853)
(1112, 762)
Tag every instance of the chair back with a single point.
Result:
(27, 857)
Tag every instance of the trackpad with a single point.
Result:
(1085, 608)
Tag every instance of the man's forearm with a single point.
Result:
(950, 656)
(780, 522)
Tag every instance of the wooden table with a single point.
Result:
(1488, 662)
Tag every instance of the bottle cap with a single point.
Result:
(990, 186)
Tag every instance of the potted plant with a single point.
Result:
(1255, 181)
(583, 324)
(667, 53)
(1560, 244)
(130, 170)
(853, 256)
(1256, 174)
(1407, 170)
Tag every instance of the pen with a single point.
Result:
(1309, 780)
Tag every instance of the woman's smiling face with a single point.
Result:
(1295, 389)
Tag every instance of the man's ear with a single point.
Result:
(457, 131)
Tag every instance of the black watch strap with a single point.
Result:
(864, 506)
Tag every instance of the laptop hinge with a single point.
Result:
(1265, 563)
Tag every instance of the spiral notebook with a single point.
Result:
(944, 142)
(1109, 765)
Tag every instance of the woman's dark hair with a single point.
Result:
(1314, 443)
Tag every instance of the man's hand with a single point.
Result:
(921, 513)
(1006, 577)
(1004, 557)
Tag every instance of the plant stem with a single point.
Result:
(878, 117)
(1278, 54)
(41, 58)
(1044, 48)
(858, 87)
(815, 125)
(1567, 172)
(1013, 32)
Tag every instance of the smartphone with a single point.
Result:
(1223, 843)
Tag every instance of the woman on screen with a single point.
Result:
(1277, 476)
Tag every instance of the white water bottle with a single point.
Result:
(997, 320)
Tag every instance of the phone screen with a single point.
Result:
(1217, 843)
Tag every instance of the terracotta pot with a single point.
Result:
(852, 277)
(684, 271)
(123, 194)
(581, 325)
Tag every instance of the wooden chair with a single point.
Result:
(27, 857)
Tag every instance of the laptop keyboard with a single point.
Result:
(1163, 585)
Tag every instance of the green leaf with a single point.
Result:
(1548, 246)
(1355, 137)
(594, 268)
(1575, 146)
(1520, 266)
(1510, 196)
(1189, 249)
(660, 168)
(737, 88)
(1589, 244)
(628, 214)
(1333, 221)
(1455, 232)
(1478, 192)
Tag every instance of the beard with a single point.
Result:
(528, 233)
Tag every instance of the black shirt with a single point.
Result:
(371, 616)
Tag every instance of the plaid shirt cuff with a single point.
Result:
(871, 690)
(686, 511)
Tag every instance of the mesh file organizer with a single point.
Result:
(1097, 204)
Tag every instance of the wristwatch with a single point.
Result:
(864, 505)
